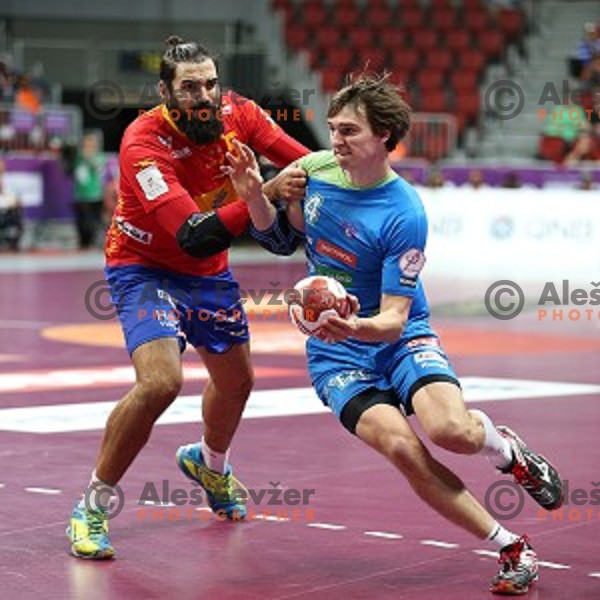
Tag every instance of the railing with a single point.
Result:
(432, 136)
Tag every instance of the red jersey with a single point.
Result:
(159, 165)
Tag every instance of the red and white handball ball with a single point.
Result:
(314, 300)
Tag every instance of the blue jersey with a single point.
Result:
(372, 240)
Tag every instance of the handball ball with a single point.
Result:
(316, 298)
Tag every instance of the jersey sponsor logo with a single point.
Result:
(411, 262)
(428, 358)
(181, 153)
(139, 235)
(146, 162)
(311, 208)
(344, 278)
(345, 378)
(350, 230)
(405, 281)
(166, 141)
(328, 249)
(423, 341)
(152, 182)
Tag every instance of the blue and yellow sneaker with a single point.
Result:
(88, 533)
(220, 489)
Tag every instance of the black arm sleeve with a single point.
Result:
(203, 235)
(281, 238)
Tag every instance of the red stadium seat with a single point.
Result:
(297, 38)
(469, 5)
(472, 60)
(392, 39)
(346, 18)
(425, 40)
(512, 23)
(313, 15)
(411, 19)
(444, 20)
(378, 17)
(468, 105)
(373, 59)
(331, 79)
(339, 58)
(328, 36)
(438, 60)
(439, 5)
(433, 102)
(477, 22)
(429, 80)
(406, 59)
(491, 44)
(463, 81)
(457, 41)
(360, 38)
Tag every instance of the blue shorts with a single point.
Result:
(202, 310)
(341, 371)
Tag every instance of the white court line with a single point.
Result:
(38, 490)
(438, 544)
(594, 574)
(327, 526)
(486, 553)
(384, 534)
(551, 565)
(2, 485)
(271, 518)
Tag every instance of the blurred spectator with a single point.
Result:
(7, 83)
(587, 182)
(27, 97)
(11, 215)
(408, 176)
(476, 181)
(88, 190)
(587, 148)
(588, 45)
(435, 179)
(591, 79)
(563, 125)
(511, 181)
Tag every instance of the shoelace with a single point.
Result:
(95, 524)
(511, 557)
(222, 486)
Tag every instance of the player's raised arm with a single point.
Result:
(270, 225)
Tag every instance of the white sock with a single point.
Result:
(215, 461)
(99, 496)
(500, 536)
(495, 446)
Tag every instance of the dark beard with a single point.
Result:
(203, 123)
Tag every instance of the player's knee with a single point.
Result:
(455, 435)
(404, 453)
(238, 384)
(162, 387)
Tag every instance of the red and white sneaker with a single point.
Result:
(534, 472)
(519, 569)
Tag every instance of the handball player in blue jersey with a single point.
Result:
(365, 226)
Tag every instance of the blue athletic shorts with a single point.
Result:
(343, 370)
(202, 310)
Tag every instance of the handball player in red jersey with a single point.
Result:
(167, 265)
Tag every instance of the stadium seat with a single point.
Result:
(429, 80)
(360, 38)
(411, 19)
(297, 38)
(433, 102)
(331, 78)
(477, 22)
(373, 59)
(406, 59)
(425, 40)
(463, 81)
(378, 17)
(491, 44)
(392, 39)
(313, 16)
(328, 37)
(444, 21)
(471, 60)
(467, 104)
(339, 58)
(438, 60)
(346, 17)
(512, 23)
(458, 40)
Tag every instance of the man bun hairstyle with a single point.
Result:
(180, 51)
(380, 100)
